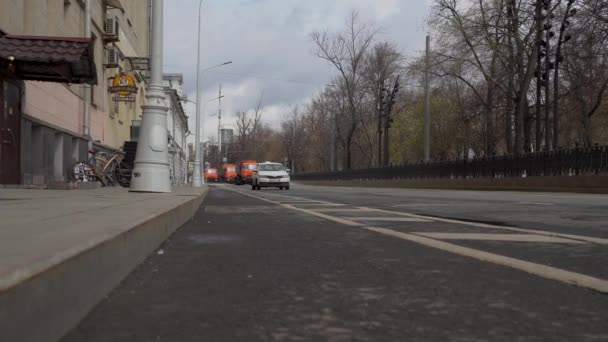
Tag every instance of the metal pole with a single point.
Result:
(556, 105)
(151, 171)
(427, 103)
(558, 58)
(219, 126)
(293, 146)
(332, 152)
(380, 109)
(86, 122)
(539, 38)
(197, 180)
(387, 118)
(548, 88)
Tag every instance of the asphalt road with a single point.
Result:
(342, 264)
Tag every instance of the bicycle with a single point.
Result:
(103, 164)
(110, 168)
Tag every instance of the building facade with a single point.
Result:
(177, 126)
(52, 123)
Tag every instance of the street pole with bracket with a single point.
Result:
(151, 171)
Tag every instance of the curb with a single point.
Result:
(50, 304)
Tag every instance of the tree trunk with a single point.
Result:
(519, 127)
(527, 126)
(510, 92)
(348, 148)
(509, 122)
(587, 129)
(489, 119)
(348, 155)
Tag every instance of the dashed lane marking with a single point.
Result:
(589, 239)
(497, 237)
(307, 211)
(327, 217)
(540, 270)
(548, 272)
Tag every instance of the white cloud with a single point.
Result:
(268, 42)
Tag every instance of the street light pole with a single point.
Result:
(219, 126)
(86, 129)
(197, 181)
(151, 171)
(427, 102)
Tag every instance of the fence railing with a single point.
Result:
(564, 162)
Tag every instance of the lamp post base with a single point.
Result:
(197, 180)
(151, 172)
(150, 178)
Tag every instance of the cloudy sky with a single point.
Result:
(268, 43)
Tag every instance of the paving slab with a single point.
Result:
(63, 251)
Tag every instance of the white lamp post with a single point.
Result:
(151, 171)
(197, 180)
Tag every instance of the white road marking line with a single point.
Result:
(327, 217)
(326, 204)
(540, 270)
(389, 219)
(462, 203)
(306, 202)
(291, 197)
(421, 204)
(497, 237)
(535, 203)
(590, 239)
(298, 202)
(340, 210)
(307, 211)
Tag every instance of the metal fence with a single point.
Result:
(571, 162)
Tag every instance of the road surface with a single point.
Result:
(359, 264)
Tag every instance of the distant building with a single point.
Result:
(177, 126)
(227, 135)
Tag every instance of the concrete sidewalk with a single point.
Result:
(63, 251)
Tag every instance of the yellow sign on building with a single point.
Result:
(123, 84)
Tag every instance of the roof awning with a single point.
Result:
(51, 59)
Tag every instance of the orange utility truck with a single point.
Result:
(228, 173)
(244, 171)
(211, 175)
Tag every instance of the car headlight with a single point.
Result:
(263, 179)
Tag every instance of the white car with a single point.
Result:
(270, 174)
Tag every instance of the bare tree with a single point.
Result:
(346, 51)
(586, 65)
(248, 127)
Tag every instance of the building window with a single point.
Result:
(66, 6)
